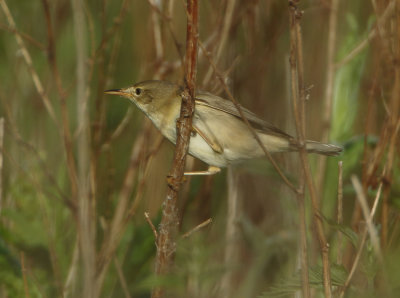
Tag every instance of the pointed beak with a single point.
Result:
(120, 92)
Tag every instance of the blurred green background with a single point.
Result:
(102, 149)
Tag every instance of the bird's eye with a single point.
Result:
(138, 91)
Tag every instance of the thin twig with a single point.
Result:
(153, 228)
(196, 228)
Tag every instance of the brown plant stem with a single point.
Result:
(298, 105)
(166, 241)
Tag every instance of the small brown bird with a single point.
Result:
(221, 137)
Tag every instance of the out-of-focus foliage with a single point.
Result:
(130, 41)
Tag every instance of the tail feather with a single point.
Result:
(324, 149)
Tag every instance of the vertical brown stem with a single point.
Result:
(298, 105)
(166, 242)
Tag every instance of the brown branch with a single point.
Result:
(166, 242)
(298, 105)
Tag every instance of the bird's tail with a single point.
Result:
(324, 149)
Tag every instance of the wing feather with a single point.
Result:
(218, 103)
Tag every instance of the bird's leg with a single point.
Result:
(212, 170)
(212, 143)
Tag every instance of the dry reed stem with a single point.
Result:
(28, 61)
(305, 282)
(298, 105)
(166, 242)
